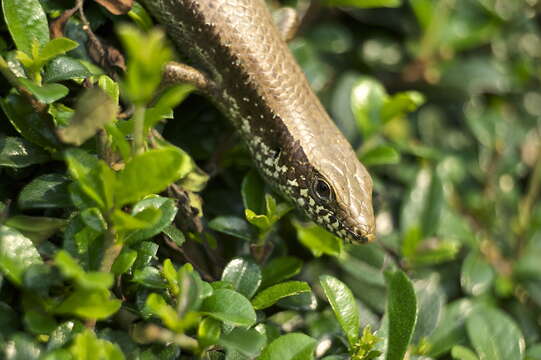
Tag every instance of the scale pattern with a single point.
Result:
(261, 88)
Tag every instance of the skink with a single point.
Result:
(243, 64)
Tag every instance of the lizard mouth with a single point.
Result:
(359, 237)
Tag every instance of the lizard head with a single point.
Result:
(334, 190)
(340, 198)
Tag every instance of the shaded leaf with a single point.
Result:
(150, 172)
(244, 274)
(45, 191)
(18, 153)
(344, 306)
(229, 306)
(168, 211)
(402, 314)
(47, 93)
(293, 346)
(89, 304)
(26, 22)
(494, 335)
(65, 68)
(234, 226)
(380, 155)
(248, 342)
(272, 294)
(318, 240)
(34, 127)
(36, 228)
(17, 254)
(280, 269)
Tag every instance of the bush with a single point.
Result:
(131, 226)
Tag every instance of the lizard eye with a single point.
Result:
(322, 189)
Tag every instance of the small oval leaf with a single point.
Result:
(344, 306)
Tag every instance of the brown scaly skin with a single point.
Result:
(252, 78)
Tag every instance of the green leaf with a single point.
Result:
(39, 322)
(22, 347)
(534, 352)
(93, 218)
(463, 353)
(45, 192)
(280, 269)
(344, 306)
(168, 211)
(272, 294)
(65, 68)
(18, 153)
(149, 277)
(94, 178)
(87, 346)
(400, 104)
(174, 234)
(367, 98)
(157, 305)
(263, 222)
(318, 240)
(451, 330)
(209, 331)
(247, 342)
(124, 261)
(364, 4)
(96, 304)
(234, 226)
(146, 251)
(253, 194)
(26, 22)
(9, 320)
(129, 224)
(401, 313)
(244, 274)
(150, 172)
(63, 334)
(34, 127)
(93, 111)
(140, 16)
(47, 93)
(420, 218)
(110, 87)
(293, 346)
(145, 64)
(229, 306)
(477, 275)
(60, 113)
(163, 107)
(36, 228)
(305, 301)
(56, 47)
(380, 155)
(494, 335)
(430, 302)
(85, 280)
(17, 254)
